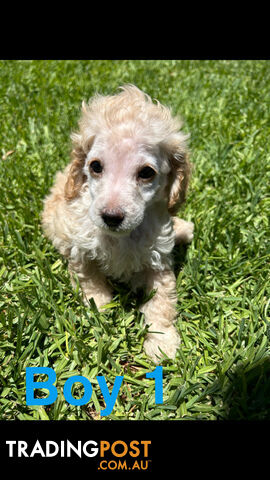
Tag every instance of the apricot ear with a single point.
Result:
(178, 181)
(76, 178)
(175, 150)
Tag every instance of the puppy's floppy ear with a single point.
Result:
(76, 177)
(178, 178)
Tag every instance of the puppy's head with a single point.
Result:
(132, 154)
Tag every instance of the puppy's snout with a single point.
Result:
(113, 218)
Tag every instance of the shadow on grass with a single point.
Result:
(179, 254)
(247, 396)
(245, 392)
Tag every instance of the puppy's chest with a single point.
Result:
(122, 258)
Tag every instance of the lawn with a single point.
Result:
(222, 368)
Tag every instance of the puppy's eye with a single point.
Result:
(96, 167)
(146, 173)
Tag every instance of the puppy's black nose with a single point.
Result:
(113, 218)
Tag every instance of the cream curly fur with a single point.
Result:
(119, 137)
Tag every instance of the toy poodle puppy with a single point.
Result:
(110, 213)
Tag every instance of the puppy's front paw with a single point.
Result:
(167, 341)
(183, 230)
(101, 299)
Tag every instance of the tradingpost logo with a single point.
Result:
(115, 455)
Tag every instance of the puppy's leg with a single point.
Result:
(92, 282)
(183, 230)
(160, 314)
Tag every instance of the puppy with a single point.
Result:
(110, 213)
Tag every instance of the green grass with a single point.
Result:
(222, 368)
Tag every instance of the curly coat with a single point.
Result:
(110, 213)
